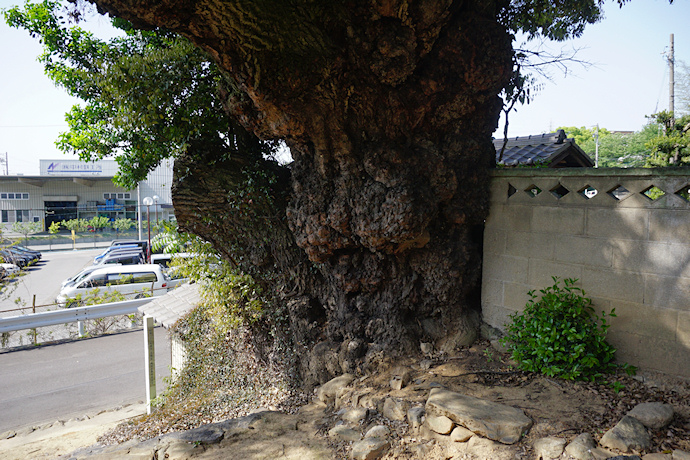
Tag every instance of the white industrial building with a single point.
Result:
(69, 189)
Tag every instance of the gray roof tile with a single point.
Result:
(554, 149)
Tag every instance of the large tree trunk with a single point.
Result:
(388, 108)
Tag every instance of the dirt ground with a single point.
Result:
(557, 407)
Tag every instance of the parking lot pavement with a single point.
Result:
(43, 279)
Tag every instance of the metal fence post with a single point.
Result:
(150, 362)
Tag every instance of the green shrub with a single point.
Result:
(560, 335)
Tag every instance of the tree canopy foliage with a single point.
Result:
(671, 147)
(616, 149)
(148, 94)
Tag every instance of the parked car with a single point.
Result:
(164, 259)
(32, 255)
(10, 269)
(81, 275)
(118, 248)
(127, 258)
(130, 279)
(22, 260)
(28, 251)
(143, 244)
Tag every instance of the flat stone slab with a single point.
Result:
(495, 421)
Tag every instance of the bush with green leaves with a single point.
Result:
(560, 335)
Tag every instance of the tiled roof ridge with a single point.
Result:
(558, 137)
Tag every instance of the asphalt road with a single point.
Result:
(59, 382)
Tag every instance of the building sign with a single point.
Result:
(74, 167)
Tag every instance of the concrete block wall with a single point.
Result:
(628, 252)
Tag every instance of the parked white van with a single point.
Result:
(125, 279)
(81, 275)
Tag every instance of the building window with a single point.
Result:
(14, 196)
(119, 196)
(22, 215)
(5, 216)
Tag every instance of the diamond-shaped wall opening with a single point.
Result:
(619, 192)
(511, 190)
(684, 192)
(653, 192)
(533, 190)
(559, 191)
(588, 192)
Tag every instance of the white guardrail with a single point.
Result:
(70, 315)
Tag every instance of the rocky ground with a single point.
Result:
(409, 411)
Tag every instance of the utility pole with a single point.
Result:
(671, 82)
(596, 151)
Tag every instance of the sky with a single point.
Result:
(627, 80)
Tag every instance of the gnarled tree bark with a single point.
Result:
(388, 108)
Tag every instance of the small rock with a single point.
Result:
(426, 347)
(378, 431)
(344, 433)
(627, 435)
(328, 391)
(653, 415)
(8, 434)
(369, 449)
(460, 434)
(355, 414)
(549, 448)
(414, 417)
(657, 457)
(580, 447)
(394, 409)
(425, 364)
(440, 424)
(680, 455)
(396, 383)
